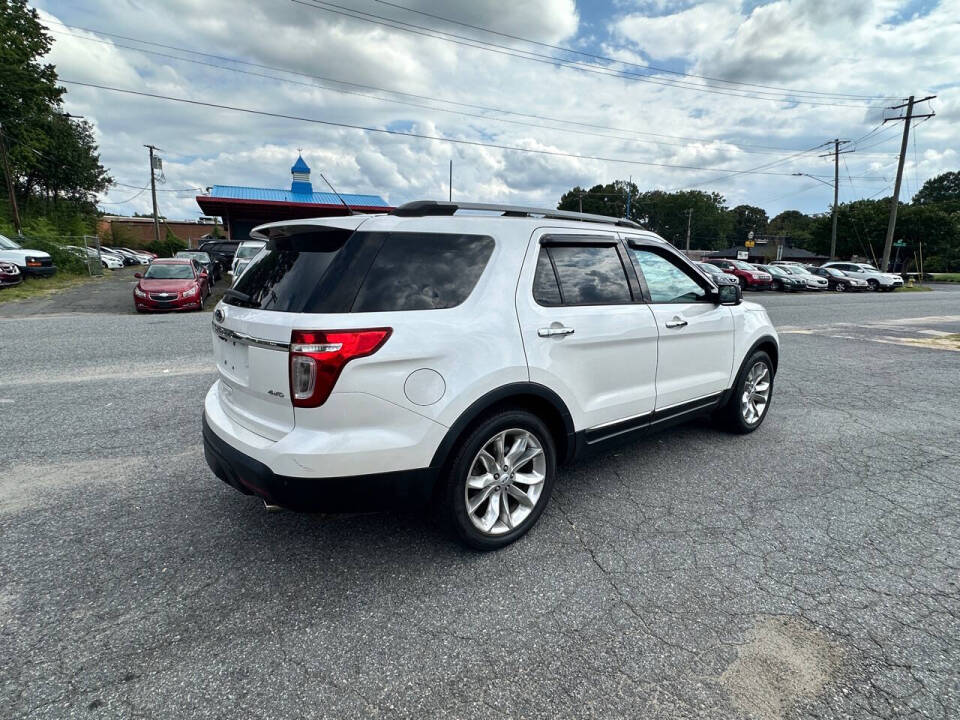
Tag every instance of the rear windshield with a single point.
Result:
(335, 271)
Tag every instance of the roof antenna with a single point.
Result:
(349, 210)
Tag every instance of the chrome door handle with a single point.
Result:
(676, 323)
(551, 331)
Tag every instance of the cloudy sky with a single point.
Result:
(670, 92)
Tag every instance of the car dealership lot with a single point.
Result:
(809, 568)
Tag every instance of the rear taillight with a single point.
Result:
(317, 357)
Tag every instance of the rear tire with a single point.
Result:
(750, 398)
(503, 503)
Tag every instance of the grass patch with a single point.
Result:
(32, 287)
(945, 277)
(915, 288)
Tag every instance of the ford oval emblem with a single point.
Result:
(218, 315)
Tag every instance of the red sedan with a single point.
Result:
(171, 284)
(747, 275)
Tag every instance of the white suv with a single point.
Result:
(369, 361)
(876, 279)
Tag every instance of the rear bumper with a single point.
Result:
(356, 493)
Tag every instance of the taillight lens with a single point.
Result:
(318, 356)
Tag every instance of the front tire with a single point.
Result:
(840, 287)
(500, 480)
(750, 399)
(777, 286)
(874, 285)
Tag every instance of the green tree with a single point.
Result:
(793, 224)
(747, 219)
(666, 213)
(943, 190)
(52, 157)
(609, 199)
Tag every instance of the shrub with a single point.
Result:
(167, 247)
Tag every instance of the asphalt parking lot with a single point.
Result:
(808, 570)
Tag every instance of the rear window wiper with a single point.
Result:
(240, 297)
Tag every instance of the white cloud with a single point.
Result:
(839, 47)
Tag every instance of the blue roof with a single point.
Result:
(236, 192)
(300, 166)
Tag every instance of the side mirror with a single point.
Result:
(138, 275)
(729, 295)
(203, 273)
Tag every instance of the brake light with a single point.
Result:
(318, 356)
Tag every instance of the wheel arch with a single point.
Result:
(532, 397)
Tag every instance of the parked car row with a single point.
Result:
(785, 275)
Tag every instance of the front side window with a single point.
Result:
(586, 274)
(666, 281)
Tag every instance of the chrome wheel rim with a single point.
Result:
(505, 481)
(756, 393)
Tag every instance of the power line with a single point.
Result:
(319, 78)
(561, 48)
(124, 202)
(545, 59)
(402, 133)
(315, 84)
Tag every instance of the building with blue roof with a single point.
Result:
(243, 208)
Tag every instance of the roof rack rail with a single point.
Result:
(424, 208)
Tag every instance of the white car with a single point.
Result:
(876, 279)
(246, 251)
(813, 282)
(370, 361)
(29, 262)
(108, 261)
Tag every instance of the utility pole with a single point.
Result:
(892, 223)
(9, 176)
(689, 218)
(450, 187)
(153, 191)
(836, 191)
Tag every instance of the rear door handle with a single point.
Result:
(677, 322)
(551, 331)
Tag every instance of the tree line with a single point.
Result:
(53, 158)
(930, 221)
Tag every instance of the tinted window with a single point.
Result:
(546, 290)
(590, 275)
(291, 275)
(421, 271)
(666, 282)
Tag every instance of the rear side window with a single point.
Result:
(421, 271)
(339, 271)
(585, 274)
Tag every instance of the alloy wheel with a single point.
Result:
(756, 393)
(505, 481)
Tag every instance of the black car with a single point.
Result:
(221, 250)
(838, 280)
(204, 260)
(782, 280)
